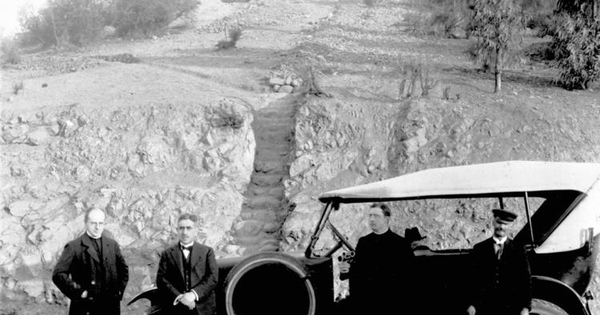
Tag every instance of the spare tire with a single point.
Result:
(269, 284)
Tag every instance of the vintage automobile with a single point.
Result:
(560, 201)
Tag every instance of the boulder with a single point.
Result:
(276, 81)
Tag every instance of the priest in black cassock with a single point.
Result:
(91, 270)
(380, 271)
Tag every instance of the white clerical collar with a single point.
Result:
(90, 235)
(499, 240)
(382, 232)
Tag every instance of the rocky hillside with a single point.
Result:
(185, 127)
(144, 164)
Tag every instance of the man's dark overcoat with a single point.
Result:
(380, 274)
(79, 269)
(203, 277)
(500, 286)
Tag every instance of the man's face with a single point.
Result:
(95, 223)
(377, 221)
(186, 229)
(500, 227)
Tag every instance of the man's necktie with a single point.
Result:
(499, 248)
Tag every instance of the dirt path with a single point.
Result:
(264, 210)
(270, 30)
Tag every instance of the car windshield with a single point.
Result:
(447, 224)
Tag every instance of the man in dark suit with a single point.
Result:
(188, 273)
(379, 272)
(501, 276)
(91, 270)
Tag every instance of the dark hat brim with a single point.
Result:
(504, 215)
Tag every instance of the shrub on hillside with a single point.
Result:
(541, 23)
(40, 29)
(10, 52)
(446, 24)
(442, 18)
(76, 22)
(141, 18)
(225, 117)
(538, 16)
(576, 42)
(18, 87)
(540, 52)
(231, 38)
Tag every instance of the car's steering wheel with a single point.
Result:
(342, 242)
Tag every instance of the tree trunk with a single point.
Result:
(498, 71)
(58, 42)
(498, 77)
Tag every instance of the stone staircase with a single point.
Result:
(264, 209)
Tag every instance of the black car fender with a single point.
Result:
(554, 291)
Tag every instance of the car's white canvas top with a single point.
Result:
(495, 179)
(488, 178)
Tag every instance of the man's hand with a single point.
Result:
(188, 299)
(84, 294)
(525, 311)
(344, 267)
(471, 310)
(180, 299)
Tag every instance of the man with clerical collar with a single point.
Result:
(379, 272)
(501, 279)
(188, 273)
(91, 270)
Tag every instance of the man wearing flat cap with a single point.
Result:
(501, 279)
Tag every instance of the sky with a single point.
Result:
(9, 14)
